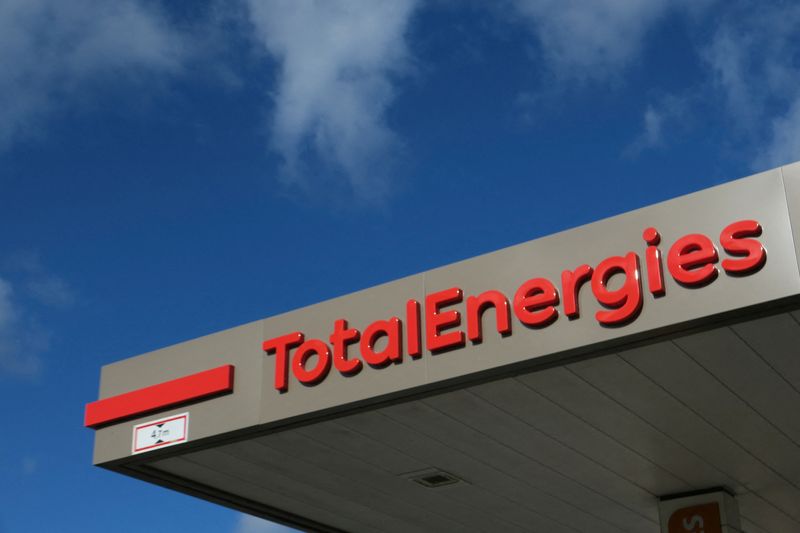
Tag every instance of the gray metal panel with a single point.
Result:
(758, 511)
(578, 397)
(373, 482)
(552, 419)
(498, 494)
(747, 376)
(583, 447)
(706, 212)
(551, 466)
(240, 346)
(359, 309)
(776, 341)
(644, 395)
(691, 384)
(257, 490)
(791, 181)
(504, 470)
(376, 456)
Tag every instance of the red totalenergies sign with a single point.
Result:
(691, 261)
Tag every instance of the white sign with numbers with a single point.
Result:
(160, 433)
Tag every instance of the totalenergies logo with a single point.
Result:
(693, 261)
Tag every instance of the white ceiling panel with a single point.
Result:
(589, 446)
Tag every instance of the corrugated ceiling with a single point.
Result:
(584, 447)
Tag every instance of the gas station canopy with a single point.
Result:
(576, 382)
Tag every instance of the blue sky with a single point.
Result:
(168, 170)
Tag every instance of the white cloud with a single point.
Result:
(784, 143)
(669, 112)
(726, 57)
(51, 50)
(251, 524)
(595, 42)
(653, 124)
(652, 135)
(22, 337)
(752, 79)
(29, 465)
(752, 57)
(51, 291)
(44, 287)
(7, 314)
(338, 64)
(590, 40)
(753, 60)
(21, 342)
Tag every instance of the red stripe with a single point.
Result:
(157, 397)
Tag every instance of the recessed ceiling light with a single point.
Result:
(433, 478)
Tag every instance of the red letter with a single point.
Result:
(626, 301)
(754, 254)
(692, 251)
(476, 305)
(393, 351)
(413, 330)
(535, 301)
(318, 373)
(570, 286)
(435, 321)
(340, 338)
(652, 257)
(281, 345)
